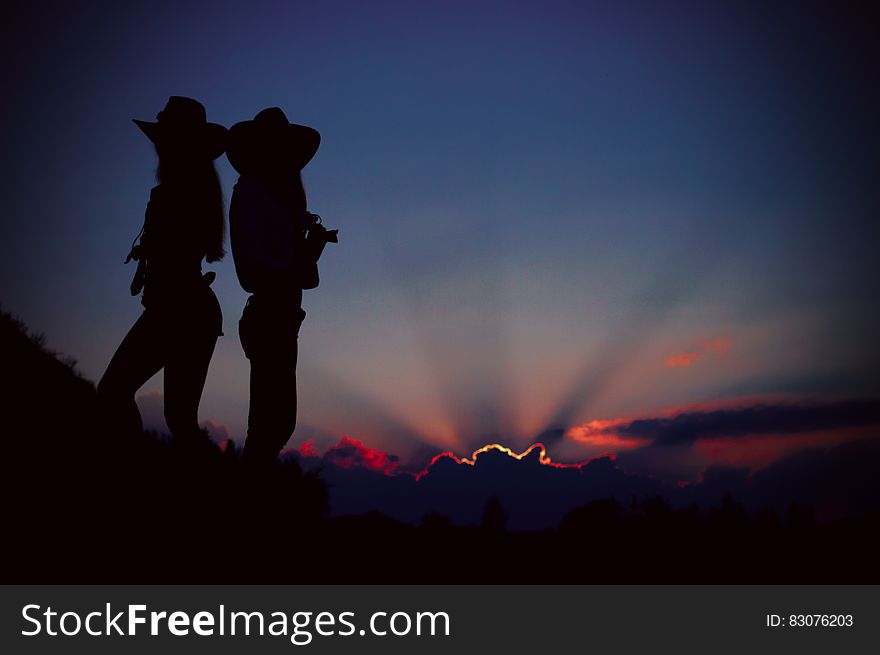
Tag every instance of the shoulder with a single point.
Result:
(248, 196)
(155, 195)
(247, 203)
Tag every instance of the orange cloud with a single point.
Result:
(750, 431)
(543, 458)
(713, 346)
(682, 359)
(601, 434)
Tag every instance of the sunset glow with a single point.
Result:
(543, 457)
(751, 432)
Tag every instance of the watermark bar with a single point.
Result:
(438, 619)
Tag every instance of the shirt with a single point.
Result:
(173, 244)
(267, 241)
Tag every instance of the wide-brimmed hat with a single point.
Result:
(270, 137)
(183, 121)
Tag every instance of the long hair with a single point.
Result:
(196, 179)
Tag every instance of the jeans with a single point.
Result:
(178, 336)
(269, 330)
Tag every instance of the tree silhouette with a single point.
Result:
(494, 516)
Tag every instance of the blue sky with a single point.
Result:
(537, 201)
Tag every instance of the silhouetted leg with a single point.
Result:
(269, 337)
(192, 335)
(139, 357)
(272, 413)
(185, 373)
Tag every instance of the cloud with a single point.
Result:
(708, 346)
(771, 419)
(307, 449)
(605, 434)
(679, 444)
(682, 359)
(838, 482)
(536, 492)
(352, 453)
(774, 416)
(676, 445)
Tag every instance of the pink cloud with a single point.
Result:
(307, 449)
(350, 453)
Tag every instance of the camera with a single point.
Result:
(317, 232)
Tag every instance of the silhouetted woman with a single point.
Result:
(181, 320)
(276, 243)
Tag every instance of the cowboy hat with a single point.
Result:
(270, 137)
(184, 121)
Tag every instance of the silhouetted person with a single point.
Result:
(181, 322)
(276, 244)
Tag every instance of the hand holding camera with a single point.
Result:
(316, 231)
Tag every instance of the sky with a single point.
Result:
(550, 213)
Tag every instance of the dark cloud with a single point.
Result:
(688, 427)
(536, 495)
(836, 482)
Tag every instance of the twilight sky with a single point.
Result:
(550, 213)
